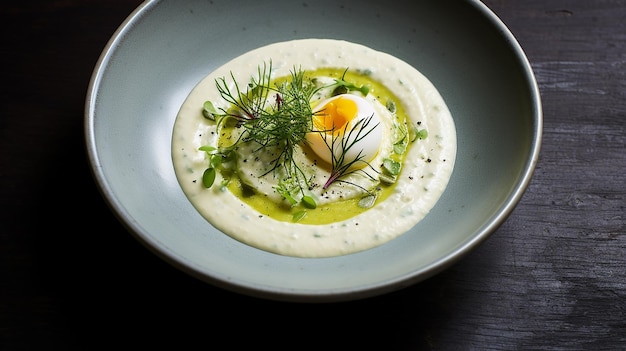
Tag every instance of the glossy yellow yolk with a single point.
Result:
(335, 115)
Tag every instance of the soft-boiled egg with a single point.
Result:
(348, 124)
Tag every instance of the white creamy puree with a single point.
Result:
(424, 176)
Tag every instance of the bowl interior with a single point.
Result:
(165, 48)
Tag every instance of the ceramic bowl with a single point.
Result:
(164, 48)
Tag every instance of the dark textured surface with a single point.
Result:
(553, 277)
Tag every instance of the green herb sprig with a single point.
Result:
(340, 165)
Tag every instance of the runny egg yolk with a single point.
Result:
(335, 114)
(348, 124)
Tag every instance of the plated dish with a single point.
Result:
(146, 73)
(252, 143)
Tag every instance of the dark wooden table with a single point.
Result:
(553, 277)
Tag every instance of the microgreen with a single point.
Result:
(341, 86)
(422, 134)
